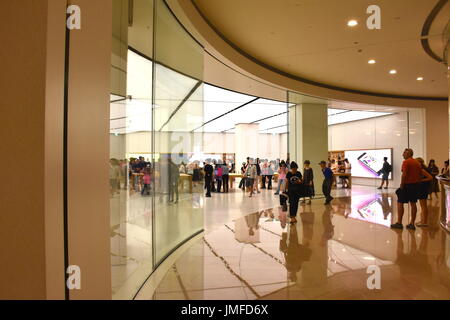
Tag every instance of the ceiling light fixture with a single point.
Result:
(393, 71)
(419, 78)
(371, 61)
(352, 23)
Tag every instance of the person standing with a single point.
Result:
(434, 171)
(409, 189)
(196, 174)
(209, 170)
(293, 184)
(282, 171)
(270, 171)
(242, 182)
(327, 181)
(445, 170)
(225, 176)
(218, 171)
(424, 189)
(264, 173)
(250, 177)
(348, 170)
(385, 171)
(147, 180)
(258, 175)
(308, 181)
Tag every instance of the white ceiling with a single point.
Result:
(209, 108)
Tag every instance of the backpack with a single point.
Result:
(389, 168)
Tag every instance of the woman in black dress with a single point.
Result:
(294, 187)
(308, 182)
(434, 171)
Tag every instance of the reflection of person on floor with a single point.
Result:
(294, 253)
(385, 206)
(282, 216)
(328, 228)
(252, 221)
(414, 264)
(174, 175)
(308, 226)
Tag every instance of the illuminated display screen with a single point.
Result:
(367, 163)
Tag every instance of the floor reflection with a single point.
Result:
(324, 256)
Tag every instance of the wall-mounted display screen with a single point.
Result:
(368, 163)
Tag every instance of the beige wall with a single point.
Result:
(437, 133)
(32, 58)
(54, 113)
(88, 143)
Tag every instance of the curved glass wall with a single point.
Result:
(156, 108)
(177, 115)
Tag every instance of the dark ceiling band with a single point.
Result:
(426, 30)
(300, 79)
(197, 85)
(228, 112)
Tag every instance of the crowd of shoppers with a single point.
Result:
(418, 181)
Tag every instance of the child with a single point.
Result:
(147, 179)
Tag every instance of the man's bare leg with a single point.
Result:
(400, 212)
(413, 212)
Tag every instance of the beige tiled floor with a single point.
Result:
(247, 253)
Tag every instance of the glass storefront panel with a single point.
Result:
(177, 133)
(130, 148)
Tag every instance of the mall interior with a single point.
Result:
(112, 108)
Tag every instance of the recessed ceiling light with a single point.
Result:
(371, 61)
(419, 78)
(352, 23)
(393, 71)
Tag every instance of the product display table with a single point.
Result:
(183, 178)
(348, 175)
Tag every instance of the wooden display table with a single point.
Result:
(342, 174)
(233, 176)
(445, 202)
(185, 177)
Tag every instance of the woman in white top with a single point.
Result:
(250, 176)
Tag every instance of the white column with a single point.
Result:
(246, 142)
(308, 137)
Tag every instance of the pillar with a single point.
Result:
(246, 142)
(88, 149)
(308, 137)
(31, 241)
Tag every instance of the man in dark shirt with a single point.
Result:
(209, 170)
(327, 181)
(294, 186)
(385, 173)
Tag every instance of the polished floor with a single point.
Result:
(250, 251)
